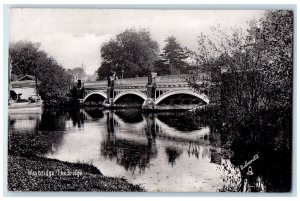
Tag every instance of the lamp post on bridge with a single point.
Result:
(122, 73)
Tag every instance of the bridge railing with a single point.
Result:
(132, 81)
(142, 81)
(101, 83)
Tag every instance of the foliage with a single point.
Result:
(173, 58)
(104, 71)
(275, 36)
(52, 80)
(256, 64)
(132, 53)
(231, 177)
(24, 57)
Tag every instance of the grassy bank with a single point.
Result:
(42, 174)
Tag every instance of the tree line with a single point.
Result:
(133, 53)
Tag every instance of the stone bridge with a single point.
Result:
(153, 92)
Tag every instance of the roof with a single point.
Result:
(26, 77)
(25, 81)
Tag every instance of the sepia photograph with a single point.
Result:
(150, 100)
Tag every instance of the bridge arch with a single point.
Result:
(95, 93)
(182, 91)
(140, 94)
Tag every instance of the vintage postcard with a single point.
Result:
(150, 100)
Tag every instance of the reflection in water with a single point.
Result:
(173, 153)
(130, 115)
(91, 113)
(179, 121)
(43, 133)
(53, 120)
(215, 156)
(77, 118)
(24, 122)
(129, 154)
(162, 151)
(126, 143)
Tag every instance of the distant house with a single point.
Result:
(24, 87)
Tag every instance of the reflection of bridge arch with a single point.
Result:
(95, 93)
(140, 94)
(122, 123)
(181, 91)
(165, 130)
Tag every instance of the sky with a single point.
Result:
(74, 36)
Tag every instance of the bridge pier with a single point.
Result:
(149, 103)
(109, 102)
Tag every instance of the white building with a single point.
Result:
(24, 87)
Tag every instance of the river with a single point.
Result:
(164, 152)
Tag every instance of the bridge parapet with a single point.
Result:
(101, 83)
(131, 81)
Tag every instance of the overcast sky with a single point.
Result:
(74, 36)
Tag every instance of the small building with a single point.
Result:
(24, 87)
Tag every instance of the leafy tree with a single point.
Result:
(161, 67)
(53, 81)
(275, 39)
(173, 58)
(132, 52)
(104, 71)
(23, 55)
(257, 64)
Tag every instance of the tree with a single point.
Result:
(275, 36)
(104, 71)
(173, 58)
(258, 64)
(24, 56)
(78, 73)
(132, 52)
(53, 81)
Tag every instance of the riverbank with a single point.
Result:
(42, 174)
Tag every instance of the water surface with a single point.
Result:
(170, 152)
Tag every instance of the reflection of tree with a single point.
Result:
(181, 122)
(215, 156)
(44, 138)
(173, 153)
(129, 154)
(77, 117)
(193, 150)
(53, 120)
